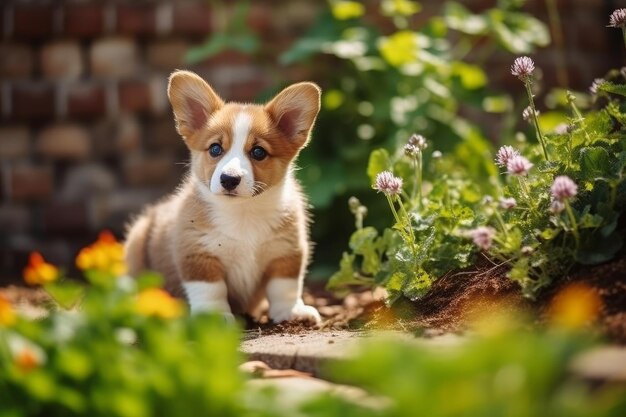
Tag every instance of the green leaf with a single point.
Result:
(417, 285)
(379, 161)
(149, 280)
(597, 249)
(594, 162)
(67, 294)
(400, 48)
(610, 87)
(472, 76)
(345, 10)
(457, 17)
(394, 286)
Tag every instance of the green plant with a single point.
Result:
(539, 219)
(116, 346)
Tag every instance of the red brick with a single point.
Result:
(84, 20)
(85, 180)
(136, 19)
(229, 57)
(33, 21)
(167, 55)
(114, 57)
(140, 170)
(33, 101)
(64, 141)
(192, 19)
(16, 61)
(65, 217)
(260, 18)
(14, 142)
(14, 218)
(247, 91)
(30, 183)
(134, 96)
(161, 135)
(86, 100)
(62, 60)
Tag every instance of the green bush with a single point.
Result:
(521, 217)
(384, 81)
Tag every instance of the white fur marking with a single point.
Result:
(285, 297)
(236, 163)
(207, 297)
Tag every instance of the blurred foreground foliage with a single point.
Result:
(119, 347)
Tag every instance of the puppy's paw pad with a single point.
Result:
(298, 312)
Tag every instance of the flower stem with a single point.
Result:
(535, 119)
(573, 223)
(393, 208)
(571, 99)
(419, 180)
(501, 221)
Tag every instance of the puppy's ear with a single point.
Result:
(294, 110)
(193, 102)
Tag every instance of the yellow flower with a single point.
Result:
(156, 302)
(7, 312)
(38, 271)
(575, 306)
(106, 255)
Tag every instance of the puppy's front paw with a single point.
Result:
(297, 312)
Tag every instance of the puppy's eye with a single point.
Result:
(215, 150)
(258, 153)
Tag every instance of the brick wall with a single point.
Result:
(86, 133)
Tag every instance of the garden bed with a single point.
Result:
(449, 306)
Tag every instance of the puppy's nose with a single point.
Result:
(229, 182)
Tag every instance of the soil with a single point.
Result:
(449, 306)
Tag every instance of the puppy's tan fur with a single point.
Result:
(241, 242)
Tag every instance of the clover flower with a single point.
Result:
(418, 141)
(618, 19)
(563, 188)
(38, 271)
(527, 114)
(483, 236)
(156, 302)
(410, 150)
(562, 129)
(105, 255)
(523, 68)
(518, 165)
(508, 203)
(595, 85)
(437, 155)
(504, 154)
(7, 312)
(388, 184)
(556, 207)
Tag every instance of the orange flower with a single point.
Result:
(575, 306)
(7, 313)
(106, 255)
(26, 355)
(38, 271)
(27, 360)
(155, 302)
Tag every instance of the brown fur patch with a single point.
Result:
(285, 267)
(200, 267)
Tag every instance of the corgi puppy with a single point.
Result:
(235, 233)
